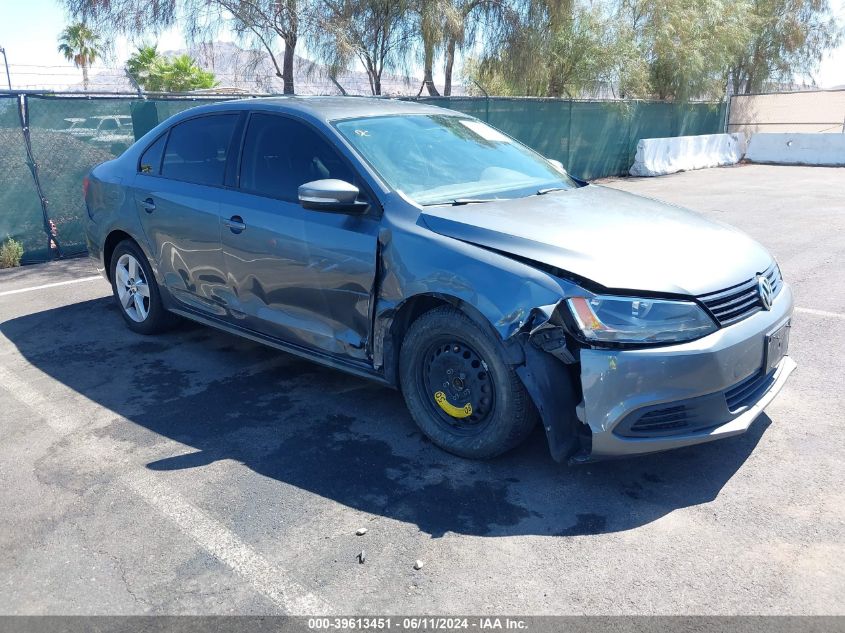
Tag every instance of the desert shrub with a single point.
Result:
(11, 252)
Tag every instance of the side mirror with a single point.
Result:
(331, 195)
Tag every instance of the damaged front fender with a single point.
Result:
(547, 373)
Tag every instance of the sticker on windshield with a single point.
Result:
(485, 131)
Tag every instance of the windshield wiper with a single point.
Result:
(543, 192)
(460, 201)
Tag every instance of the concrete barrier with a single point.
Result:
(659, 156)
(797, 149)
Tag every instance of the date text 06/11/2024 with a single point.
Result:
(418, 623)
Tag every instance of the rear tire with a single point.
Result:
(459, 388)
(136, 291)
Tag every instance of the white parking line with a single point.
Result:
(61, 421)
(221, 543)
(208, 533)
(821, 313)
(52, 285)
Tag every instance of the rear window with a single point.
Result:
(196, 149)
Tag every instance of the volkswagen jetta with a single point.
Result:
(426, 250)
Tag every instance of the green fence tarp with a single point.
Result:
(21, 217)
(70, 135)
(591, 138)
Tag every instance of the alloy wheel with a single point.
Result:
(133, 290)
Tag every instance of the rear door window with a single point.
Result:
(196, 150)
(150, 162)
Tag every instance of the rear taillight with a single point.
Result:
(85, 183)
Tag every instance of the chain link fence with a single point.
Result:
(48, 142)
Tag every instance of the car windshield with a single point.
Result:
(440, 159)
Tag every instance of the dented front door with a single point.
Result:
(301, 276)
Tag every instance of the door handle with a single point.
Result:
(235, 224)
(149, 205)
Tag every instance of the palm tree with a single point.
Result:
(146, 67)
(80, 45)
(181, 74)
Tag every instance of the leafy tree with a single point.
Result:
(787, 37)
(688, 45)
(377, 33)
(266, 24)
(448, 26)
(155, 73)
(671, 49)
(263, 24)
(181, 74)
(553, 50)
(431, 18)
(144, 65)
(80, 45)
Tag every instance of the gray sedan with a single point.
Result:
(426, 250)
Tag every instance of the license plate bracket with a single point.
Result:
(777, 344)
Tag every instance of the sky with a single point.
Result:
(29, 29)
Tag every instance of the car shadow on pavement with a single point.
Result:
(345, 439)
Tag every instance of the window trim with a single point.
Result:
(364, 188)
(235, 130)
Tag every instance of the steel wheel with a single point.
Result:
(133, 291)
(461, 394)
(459, 387)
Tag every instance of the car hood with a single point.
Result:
(613, 238)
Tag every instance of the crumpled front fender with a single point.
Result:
(547, 376)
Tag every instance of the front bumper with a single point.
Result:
(696, 378)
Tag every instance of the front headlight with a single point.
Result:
(633, 320)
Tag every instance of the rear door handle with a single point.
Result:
(149, 205)
(235, 224)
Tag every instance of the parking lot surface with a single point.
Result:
(199, 473)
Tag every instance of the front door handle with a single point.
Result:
(149, 205)
(235, 224)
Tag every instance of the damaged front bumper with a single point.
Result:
(644, 400)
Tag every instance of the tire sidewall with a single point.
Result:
(511, 413)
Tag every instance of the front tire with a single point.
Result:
(459, 388)
(136, 291)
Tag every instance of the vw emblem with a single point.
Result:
(764, 289)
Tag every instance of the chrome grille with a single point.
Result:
(738, 302)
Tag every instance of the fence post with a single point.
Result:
(568, 164)
(631, 144)
(23, 114)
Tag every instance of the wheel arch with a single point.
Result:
(552, 385)
(114, 238)
(393, 324)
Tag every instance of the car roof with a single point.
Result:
(333, 108)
